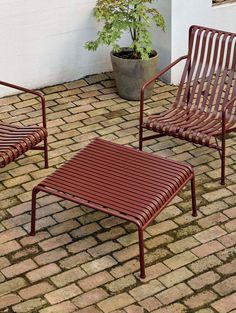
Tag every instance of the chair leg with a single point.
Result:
(45, 153)
(33, 212)
(193, 190)
(223, 164)
(140, 138)
(141, 253)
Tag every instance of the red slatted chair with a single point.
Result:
(16, 140)
(203, 110)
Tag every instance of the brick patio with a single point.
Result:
(84, 261)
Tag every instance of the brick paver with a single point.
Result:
(85, 261)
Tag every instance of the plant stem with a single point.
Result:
(132, 35)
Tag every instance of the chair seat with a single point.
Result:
(194, 126)
(15, 141)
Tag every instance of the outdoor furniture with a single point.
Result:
(16, 140)
(120, 181)
(203, 110)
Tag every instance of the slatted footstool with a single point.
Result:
(120, 181)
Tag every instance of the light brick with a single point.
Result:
(154, 271)
(173, 308)
(217, 194)
(51, 256)
(126, 253)
(228, 240)
(225, 304)
(122, 283)
(90, 297)
(207, 248)
(215, 206)
(161, 228)
(210, 234)
(116, 302)
(125, 269)
(158, 241)
(64, 227)
(203, 280)
(150, 304)
(226, 286)
(55, 242)
(79, 246)
(183, 244)
(86, 230)
(67, 215)
(200, 299)
(66, 306)
(231, 225)
(175, 277)
(35, 290)
(9, 247)
(8, 300)
(19, 268)
(67, 277)
(146, 290)
(63, 294)
(228, 268)
(174, 293)
(12, 285)
(32, 305)
(113, 233)
(205, 264)
(214, 219)
(30, 240)
(105, 248)
(43, 272)
(95, 280)
(99, 265)
(75, 260)
(231, 213)
(11, 234)
(180, 260)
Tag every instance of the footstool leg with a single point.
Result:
(194, 205)
(141, 253)
(140, 138)
(33, 212)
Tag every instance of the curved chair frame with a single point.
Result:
(203, 110)
(17, 140)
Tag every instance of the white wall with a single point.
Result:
(42, 42)
(199, 12)
(162, 40)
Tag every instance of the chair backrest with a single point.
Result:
(209, 76)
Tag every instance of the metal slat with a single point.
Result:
(128, 181)
(16, 140)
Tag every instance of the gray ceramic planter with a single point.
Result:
(131, 74)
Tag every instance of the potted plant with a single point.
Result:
(135, 64)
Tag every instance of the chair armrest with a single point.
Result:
(32, 92)
(228, 104)
(151, 80)
(225, 108)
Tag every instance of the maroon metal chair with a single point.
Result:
(203, 110)
(16, 140)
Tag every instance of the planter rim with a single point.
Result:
(132, 60)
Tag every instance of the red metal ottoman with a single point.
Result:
(120, 181)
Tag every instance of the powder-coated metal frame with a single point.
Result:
(203, 110)
(16, 140)
(120, 181)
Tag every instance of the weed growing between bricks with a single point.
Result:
(84, 261)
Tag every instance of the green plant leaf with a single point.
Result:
(122, 16)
